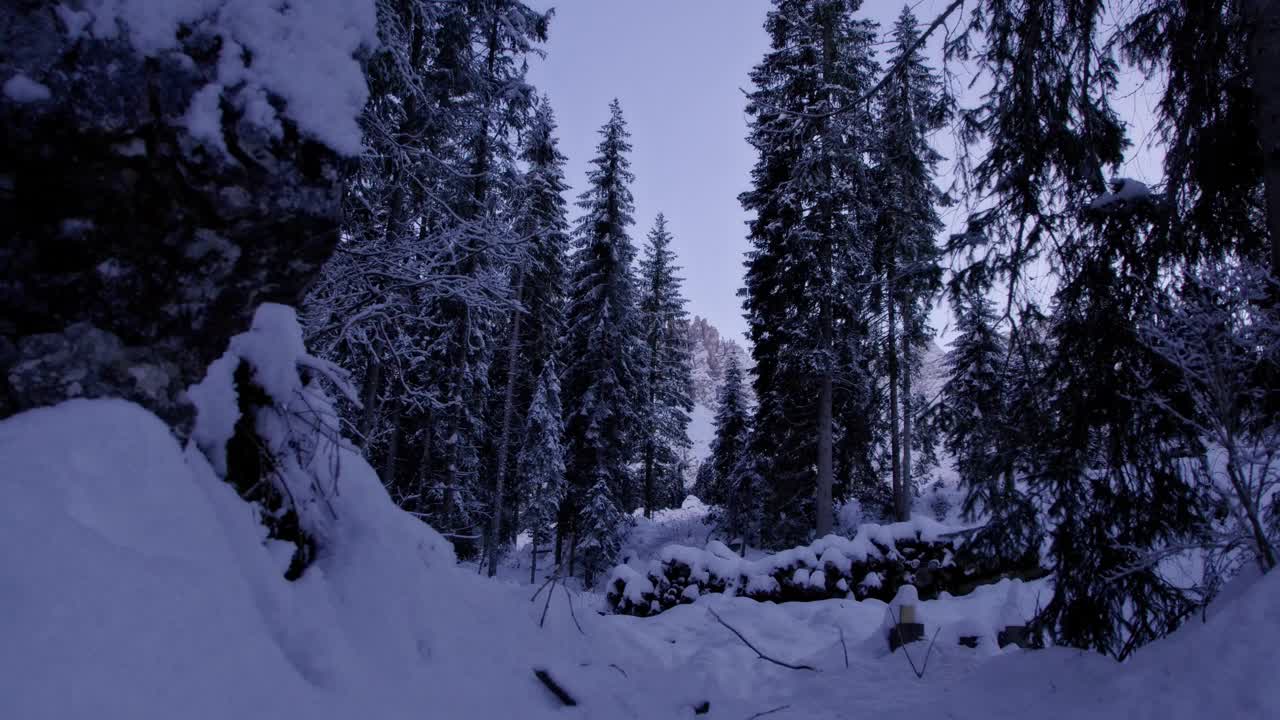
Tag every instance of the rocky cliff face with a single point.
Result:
(709, 352)
(155, 189)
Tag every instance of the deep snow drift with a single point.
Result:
(135, 584)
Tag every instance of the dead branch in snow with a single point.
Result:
(555, 688)
(924, 666)
(762, 656)
(780, 708)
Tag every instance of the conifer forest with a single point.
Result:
(471, 359)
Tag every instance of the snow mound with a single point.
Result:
(136, 584)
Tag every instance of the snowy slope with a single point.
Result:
(136, 585)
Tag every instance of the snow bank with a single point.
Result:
(136, 584)
(1222, 668)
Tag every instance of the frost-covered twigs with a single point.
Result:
(757, 651)
(1221, 339)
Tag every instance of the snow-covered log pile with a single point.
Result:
(877, 561)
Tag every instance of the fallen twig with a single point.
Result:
(547, 606)
(762, 656)
(550, 580)
(843, 647)
(924, 666)
(569, 596)
(560, 693)
(780, 708)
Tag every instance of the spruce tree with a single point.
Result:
(540, 466)
(987, 411)
(906, 226)
(809, 201)
(972, 406)
(729, 450)
(667, 391)
(533, 328)
(601, 353)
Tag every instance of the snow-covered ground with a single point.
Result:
(134, 584)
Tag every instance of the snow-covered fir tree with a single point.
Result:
(906, 225)
(417, 298)
(603, 356)
(534, 328)
(666, 394)
(729, 454)
(463, 337)
(540, 464)
(971, 409)
(809, 199)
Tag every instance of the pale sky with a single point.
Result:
(678, 67)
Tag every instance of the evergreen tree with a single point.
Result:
(602, 526)
(540, 465)
(906, 225)
(729, 450)
(603, 344)
(972, 406)
(533, 329)
(463, 336)
(667, 392)
(809, 201)
(418, 301)
(1109, 464)
(988, 409)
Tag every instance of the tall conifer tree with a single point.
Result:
(809, 201)
(602, 353)
(667, 391)
(906, 226)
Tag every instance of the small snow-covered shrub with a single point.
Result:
(271, 432)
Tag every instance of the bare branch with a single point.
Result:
(756, 649)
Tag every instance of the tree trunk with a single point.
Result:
(372, 388)
(533, 561)
(826, 329)
(422, 474)
(393, 449)
(559, 550)
(823, 505)
(894, 438)
(903, 503)
(504, 436)
(1266, 552)
(1264, 57)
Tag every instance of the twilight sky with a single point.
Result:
(677, 66)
